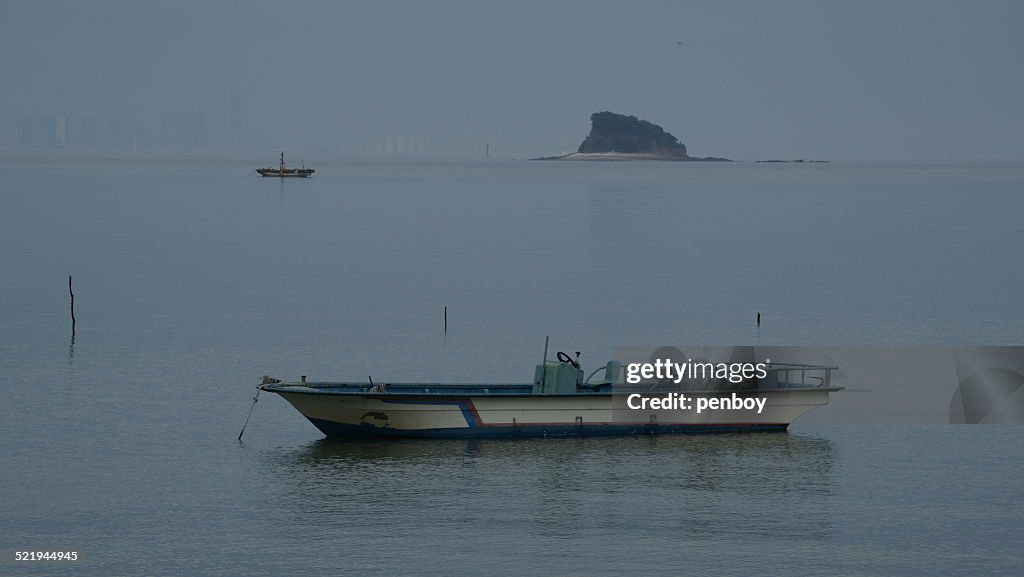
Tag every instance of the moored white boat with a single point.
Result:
(558, 403)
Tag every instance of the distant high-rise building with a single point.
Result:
(139, 141)
(60, 131)
(183, 129)
(234, 136)
(168, 129)
(193, 129)
(47, 131)
(114, 132)
(399, 144)
(86, 137)
(26, 131)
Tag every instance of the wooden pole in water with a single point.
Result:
(446, 319)
(72, 306)
(758, 318)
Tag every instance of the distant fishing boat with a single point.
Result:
(283, 171)
(559, 402)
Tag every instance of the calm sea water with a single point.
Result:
(193, 277)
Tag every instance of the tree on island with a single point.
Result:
(610, 132)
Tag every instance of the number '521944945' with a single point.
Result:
(46, 555)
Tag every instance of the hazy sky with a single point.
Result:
(853, 79)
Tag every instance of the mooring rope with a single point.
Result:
(251, 407)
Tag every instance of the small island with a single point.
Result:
(620, 137)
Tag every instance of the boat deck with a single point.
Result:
(498, 390)
(428, 389)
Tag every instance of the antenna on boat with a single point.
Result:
(544, 365)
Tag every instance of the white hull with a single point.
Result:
(533, 415)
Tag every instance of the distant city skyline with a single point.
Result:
(169, 129)
(746, 80)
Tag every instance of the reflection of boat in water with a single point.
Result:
(283, 171)
(702, 487)
(560, 402)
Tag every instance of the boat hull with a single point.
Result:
(530, 415)
(276, 174)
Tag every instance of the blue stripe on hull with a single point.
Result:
(332, 429)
